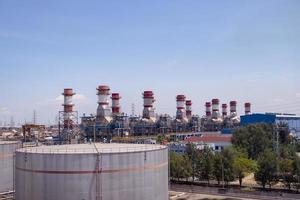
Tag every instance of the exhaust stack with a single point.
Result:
(68, 108)
(115, 106)
(103, 110)
(233, 108)
(224, 109)
(215, 108)
(247, 108)
(188, 105)
(148, 112)
(180, 113)
(208, 109)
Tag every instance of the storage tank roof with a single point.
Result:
(92, 148)
(8, 142)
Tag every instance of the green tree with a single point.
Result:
(255, 138)
(204, 164)
(228, 155)
(266, 168)
(217, 166)
(192, 153)
(180, 166)
(283, 133)
(287, 151)
(296, 172)
(162, 138)
(286, 167)
(243, 166)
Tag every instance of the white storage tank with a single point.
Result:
(7, 150)
(92, 172)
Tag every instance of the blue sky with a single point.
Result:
(231, 50)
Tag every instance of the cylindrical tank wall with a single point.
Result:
(64, 176)
(7, 150)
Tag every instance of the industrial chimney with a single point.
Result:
(188, 105)
(215, 108)
(148, 112)
(233, 108)
(208, 109)
(68, 108)
(224, 109)
(103, 110)
(247, 108)
(115, 97)
(180, 114)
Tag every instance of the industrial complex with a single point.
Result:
(113, 155)
(110, 121)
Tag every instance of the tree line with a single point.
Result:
(254, 150)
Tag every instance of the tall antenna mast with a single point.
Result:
(34, 118)
(132, 109)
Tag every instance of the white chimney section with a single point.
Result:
(180, 113)
(68, 107)
(224, 109)
(148, 111)
(208, 109)
(188, 105)
(215, 108)
(103, 110)
(233, 108)
(115, 97)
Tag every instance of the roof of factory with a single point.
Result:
(210, 139)
(92, 148)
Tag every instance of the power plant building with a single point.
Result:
(293, 121)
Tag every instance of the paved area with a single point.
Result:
(193, 196)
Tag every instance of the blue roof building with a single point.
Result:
(293, 121)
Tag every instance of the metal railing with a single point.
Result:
(100, 149)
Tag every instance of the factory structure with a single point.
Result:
(110, 121)
(68, 118)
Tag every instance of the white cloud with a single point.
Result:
(78, 98)
(279, 100)
(5, 111)
(298, 94)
